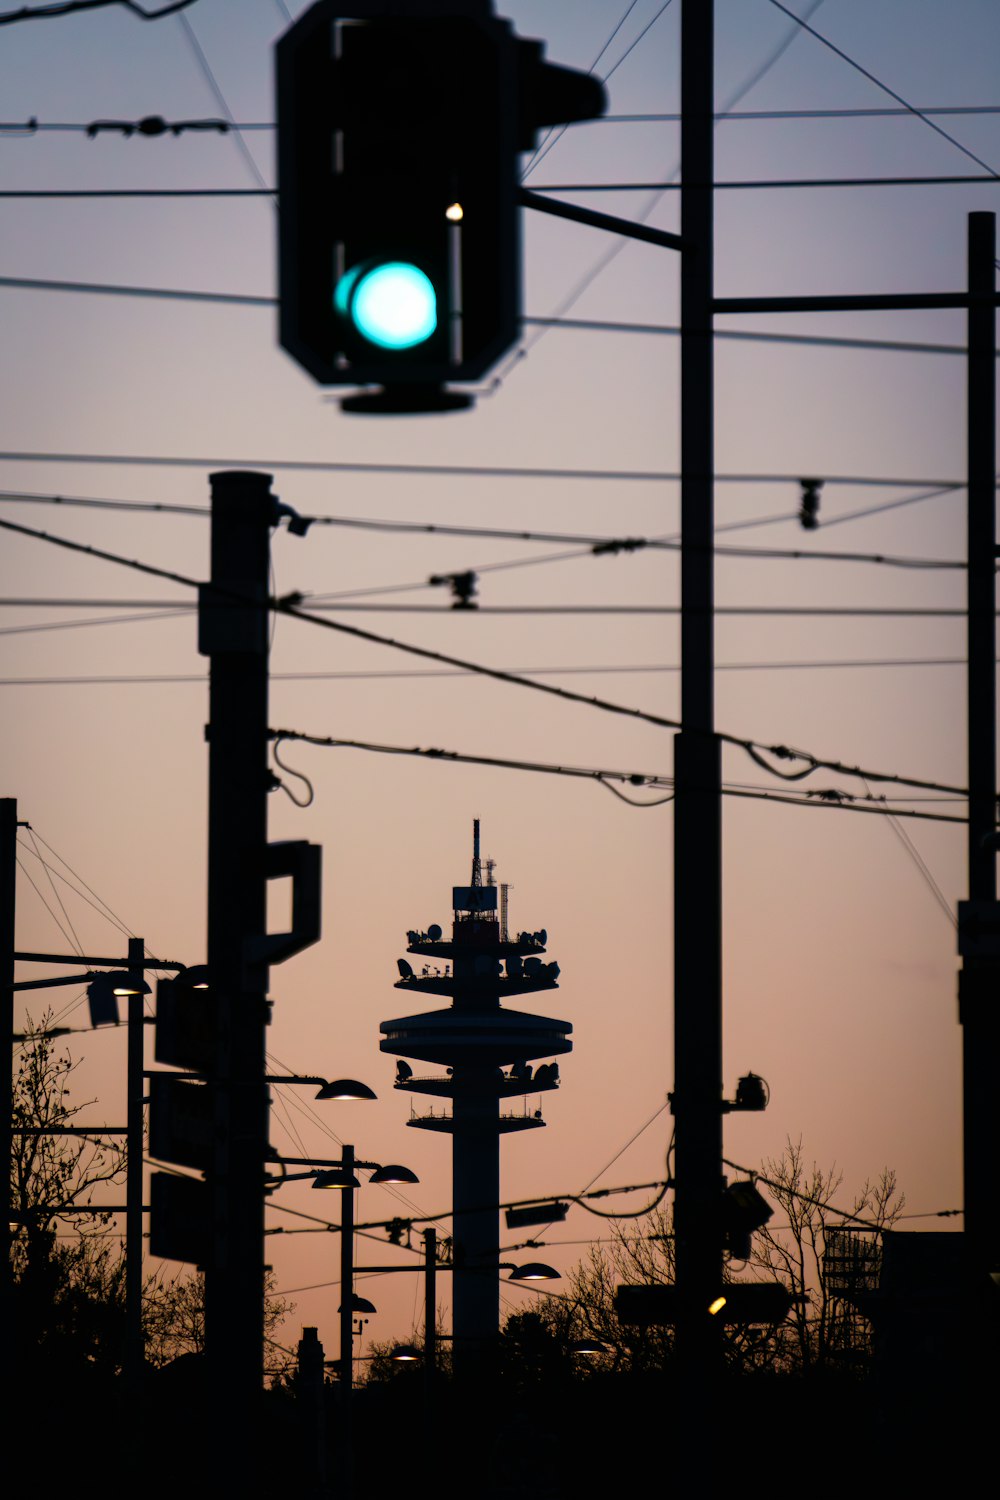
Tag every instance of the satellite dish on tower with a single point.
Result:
(434, 932)
(542, 937)
(405, 971)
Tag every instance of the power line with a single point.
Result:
(468, 471)
(34, 126)
(66, 7)
(611, 254)
(763, 611)
(592, 325)
(763, 183)
(535, 156)
(798, 114)
(50, 625)
(201, 679)
(842, 801)
(769, 611)
(220, 98)
(912, 109)
(29, 193)
(754, 748)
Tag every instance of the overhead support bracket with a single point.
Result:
(610, 222)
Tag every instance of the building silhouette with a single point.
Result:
(487, 1053)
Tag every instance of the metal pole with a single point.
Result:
(8, 890)
(233, 634)
(346, 1463)
(979, 918)
(430, 1304)
(347, 1279)
(134, 1345)
(697, 1094)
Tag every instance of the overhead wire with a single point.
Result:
(35, 126)
(843, 801)
(286, 607)
(205, 68)
(201, 679)
(641, 217)
(27, 875)
(557, 320)
(556, 135)
(552, 128)
(67, 7)
(922, 868)
(52, 886)
(803, 23)
(469, 471)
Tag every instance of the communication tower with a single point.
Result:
(487, 1052)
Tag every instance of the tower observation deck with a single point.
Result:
(488, 1053)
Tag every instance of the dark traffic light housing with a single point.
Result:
(400, 124)
(742, 1302)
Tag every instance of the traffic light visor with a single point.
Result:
(392, 305)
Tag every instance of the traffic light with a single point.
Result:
(738, 1302)
(400, 124)
(744, 1209)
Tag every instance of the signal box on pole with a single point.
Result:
(400, 124)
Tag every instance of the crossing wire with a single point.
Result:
(284, 606)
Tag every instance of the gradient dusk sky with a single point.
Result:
(840, 959)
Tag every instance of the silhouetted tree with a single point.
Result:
(822, 1326)
(67, 1268)
(174, 1320)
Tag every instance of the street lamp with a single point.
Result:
(535, 1270)
(340, 1175)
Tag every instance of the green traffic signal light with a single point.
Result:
(393, 304)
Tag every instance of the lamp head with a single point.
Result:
(394, 1174)
(534, 1270)
(346, 1088)
(335, 1177)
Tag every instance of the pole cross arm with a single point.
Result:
(97, 963)
(861, 302)
(303, 862)
(594, 220)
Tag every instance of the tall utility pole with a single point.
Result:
(979, 917)
(232, 632)
(8, 889)
(134, 1348)
(697, 1098)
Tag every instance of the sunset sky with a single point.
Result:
(840, 958)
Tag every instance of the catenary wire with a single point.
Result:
(35, 126)
(201, 679)
(552, 128)
(52, 886)
(241, 299)
(923, 869)
(555, 136)
(801, 22)
(829, 799)
(469, 471)
(291, 610)
(213, 83)
(751, 184)
(67, 7)
(27, 875)
(644, 213)
(779, 611)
